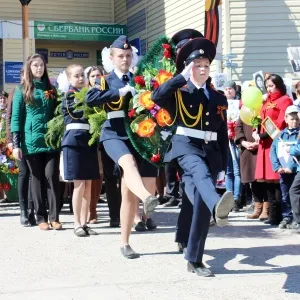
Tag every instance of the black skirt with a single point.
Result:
(80, 163)
(116, 148)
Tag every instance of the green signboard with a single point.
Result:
(77, 31)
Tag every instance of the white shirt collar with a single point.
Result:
(120, 74)
(199, 87)
(204, 87)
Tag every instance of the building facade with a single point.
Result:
(256, 32)
(64, 32)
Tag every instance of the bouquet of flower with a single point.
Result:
(149, 126)
(7, 162)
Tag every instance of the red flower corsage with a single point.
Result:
(49, 94)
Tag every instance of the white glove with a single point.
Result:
(127, 89)
(17, 153)
(221, 176)
(10, 146)
(186, 73)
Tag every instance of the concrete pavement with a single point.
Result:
(251, 261)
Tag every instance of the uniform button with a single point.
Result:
(206, 123)
(207, 113)
(206, 142)
(191, 106)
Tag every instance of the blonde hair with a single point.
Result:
(70, 67)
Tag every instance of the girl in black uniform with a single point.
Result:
(80, 160)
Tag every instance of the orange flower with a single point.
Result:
(163, 76)
(146, 128)
(145, 100)
(163, 118)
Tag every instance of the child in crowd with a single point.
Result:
(285, 164)
(294, 193)
(80, 160)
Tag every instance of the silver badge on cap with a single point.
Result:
(125, 46)
(201, 51)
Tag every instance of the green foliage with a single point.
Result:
(256, 121)
(55, 127)
(95, 116)
(96, 121)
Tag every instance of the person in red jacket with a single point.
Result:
(274, 107)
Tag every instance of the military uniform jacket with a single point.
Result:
(73, 137)
(213, 119)
(112, 128)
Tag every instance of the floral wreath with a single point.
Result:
(150, 127)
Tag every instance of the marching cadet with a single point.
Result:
(80, 160)
(185, 216)
(200, 144)
(138, 176)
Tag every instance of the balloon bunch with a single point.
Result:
(252, 99)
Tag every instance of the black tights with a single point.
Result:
(44, 169)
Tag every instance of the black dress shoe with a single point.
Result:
(128, 252)
(31, 219)
(172, 202)
(114, 223)
(150, 224)
(149, 205)
(182, 247)
(89, 230)
(24, 218)
(140, 226)
(272, 222)
(199, 269)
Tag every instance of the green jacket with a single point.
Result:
(31, 120)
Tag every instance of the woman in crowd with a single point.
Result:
(34, 103)
(274, 107)
(80, 159)
(233, 174)
(248, 158)
(26, 205)
(91, 74)
(297, 93)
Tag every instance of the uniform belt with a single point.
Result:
(198, 134)
(77, 126)
(115, 114)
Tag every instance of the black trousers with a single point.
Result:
(24, 186)
(184, 220)
(258, 191)
(295, 198)
(44, 169)
(274, 198)
(112, 185)
(194, 219)
(172, 184)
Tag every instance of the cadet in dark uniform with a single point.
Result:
(185, 216)
(200, 143)
(80, 159)
(117, 145)
(172, 184)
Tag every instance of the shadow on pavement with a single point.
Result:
(258, 257)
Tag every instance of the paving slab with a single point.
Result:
(251, 261)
